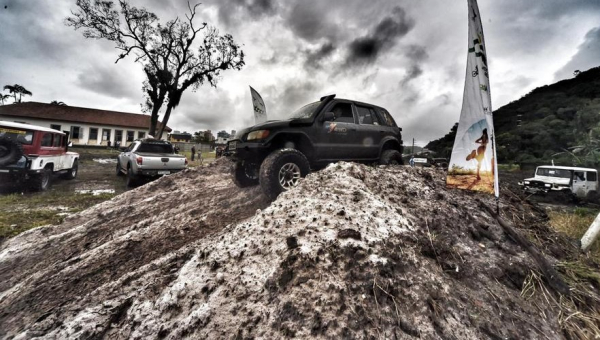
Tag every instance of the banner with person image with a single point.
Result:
(473, 161)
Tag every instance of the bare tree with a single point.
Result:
(171, 61)
(17, 89)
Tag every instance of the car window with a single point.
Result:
(46, 139)
(387, 118)
(366, 116)
(343, 113)
(562, 173)
(579, 176)
(155, 148)
(592, 176)
(306, 111)
(56, 142)
(21, 136)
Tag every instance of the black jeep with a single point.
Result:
(277, 154)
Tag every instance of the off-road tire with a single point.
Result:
(242, 176)
(41, 181)
(10, 151)
(275, 165)
(119, 170)
(592, 197)
(132, 179)
(391, 157)
(72, 173)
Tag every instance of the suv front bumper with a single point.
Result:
(242, 151)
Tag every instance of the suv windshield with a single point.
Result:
(306, 111)
(155, 148)
(562, 173)
(21, 136)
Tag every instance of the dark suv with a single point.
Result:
(277, 154)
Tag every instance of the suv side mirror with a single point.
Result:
(328, 116)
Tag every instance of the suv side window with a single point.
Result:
(343, 113)
(56, 142)
(591, 176)
(366, 116)
(387, 118)
(46, 139)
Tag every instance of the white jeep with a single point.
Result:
(31, 154)
(582, 182)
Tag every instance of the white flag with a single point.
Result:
(260, 111)
(473, 161)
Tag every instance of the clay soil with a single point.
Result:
(354, 252)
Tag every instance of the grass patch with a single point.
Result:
(19, 213)
(575, 224)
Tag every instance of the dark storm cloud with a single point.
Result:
(587, 56)
(285, 99)
(367, 49)
(234, 12)
(308, 21)
(417, 56)
(109, 81)
(29, 31)
(314, 58)
(412, 73)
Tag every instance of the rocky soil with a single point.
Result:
(353, 252)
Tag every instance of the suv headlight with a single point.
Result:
(526, 182)
(258, 134)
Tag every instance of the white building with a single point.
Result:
(86, 126)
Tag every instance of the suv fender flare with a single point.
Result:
(281, 139)
(10, 151)
(390, 143)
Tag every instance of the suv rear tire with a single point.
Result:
(245, 174)
(391, 157)
(10, 151)
(281, 171)
(131, 178)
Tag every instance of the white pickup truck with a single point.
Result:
(149, 158)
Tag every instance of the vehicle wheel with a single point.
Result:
(245, 174)
(41, 181)
(72, 173)
(391, 157)
(131, 178)
(10, 151)
(282, 170)
(592, 197)
(119, 170)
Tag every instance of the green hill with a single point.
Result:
(559, 122)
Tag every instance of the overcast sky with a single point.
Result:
(408, 56)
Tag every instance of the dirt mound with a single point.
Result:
(354, 252)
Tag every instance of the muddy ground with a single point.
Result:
(354, 252)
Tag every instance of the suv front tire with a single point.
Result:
(282, 170)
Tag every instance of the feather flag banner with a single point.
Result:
(473, 161)
(260, 111)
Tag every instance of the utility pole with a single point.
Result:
(413, 147)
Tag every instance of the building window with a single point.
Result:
(141, 134)
(105, 134)
(55, 127)
(130, 136)
(76, 132)
(47, 139)
(118, 136)
(93, 133)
